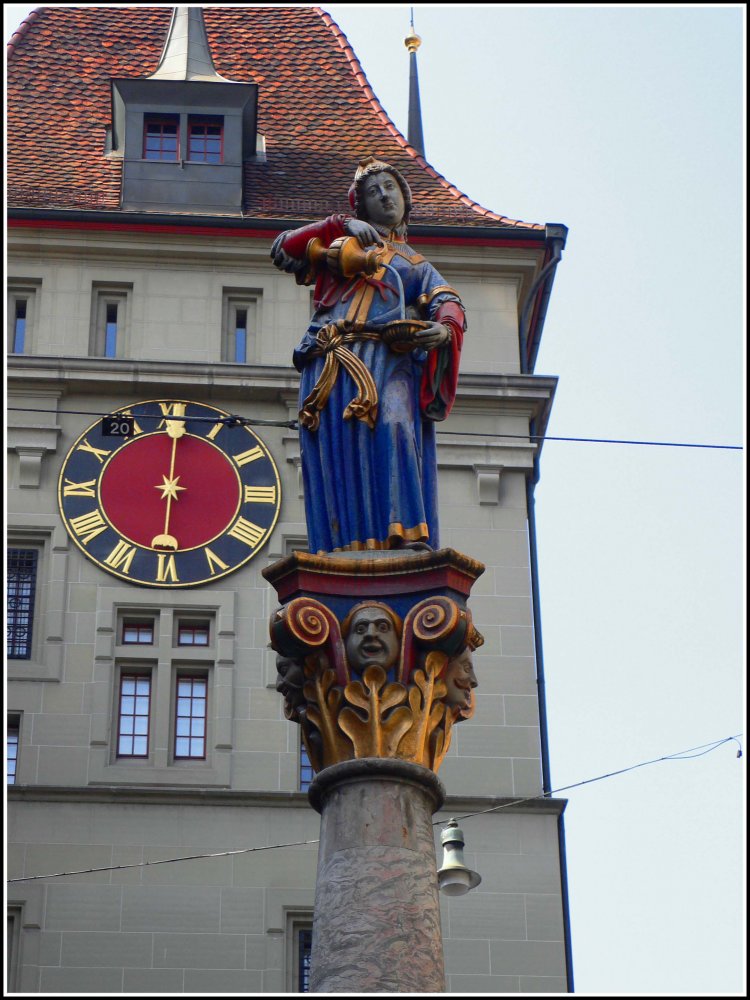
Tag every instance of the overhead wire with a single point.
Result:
(235, 420)
(679, 755)
(688, 754)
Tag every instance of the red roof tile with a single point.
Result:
(314, 101)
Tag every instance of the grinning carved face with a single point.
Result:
(371, 639)
(460, 680)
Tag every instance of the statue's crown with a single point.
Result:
(370, 165)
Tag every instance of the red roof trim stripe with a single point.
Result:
(249, 233)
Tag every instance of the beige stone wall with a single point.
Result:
(176, 287)
(221, 926)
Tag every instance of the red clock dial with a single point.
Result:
(141, 477)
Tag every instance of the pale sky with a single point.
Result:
(624, 123)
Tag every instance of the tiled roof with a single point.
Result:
(316, 110)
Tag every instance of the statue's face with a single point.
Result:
(383, 199)
(372, 639)
(460, 680)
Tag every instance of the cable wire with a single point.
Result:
(235, 420)
(231, 420)
(678, 755)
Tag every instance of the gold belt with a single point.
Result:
(331, 341)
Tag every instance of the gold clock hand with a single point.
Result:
(175, 429)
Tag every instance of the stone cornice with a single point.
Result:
(165, 795)
(89, 374)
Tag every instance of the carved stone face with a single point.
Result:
(460, 680)
(290, 680)
(383, 199)
(372, 639)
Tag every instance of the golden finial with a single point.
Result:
(412, 40)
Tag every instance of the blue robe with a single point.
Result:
(371, 488)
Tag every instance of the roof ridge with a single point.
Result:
(361, 77)
(21, 30)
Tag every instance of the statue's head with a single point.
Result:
(380, 194)
(372, 636)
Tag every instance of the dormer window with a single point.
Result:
(184, 133)
(161, 137)
(206, 139)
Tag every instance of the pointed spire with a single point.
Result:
(414, 134)
(186, 54)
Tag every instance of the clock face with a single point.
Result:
(179, 503)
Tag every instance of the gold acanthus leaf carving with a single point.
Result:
(323, 706)
(427, 711)
(377, 728)
(440, 740)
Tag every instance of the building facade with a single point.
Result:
(153, 157)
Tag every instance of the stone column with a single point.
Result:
(377, 914)
(375, 664)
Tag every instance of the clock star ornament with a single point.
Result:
(169, 488)
(187, 499)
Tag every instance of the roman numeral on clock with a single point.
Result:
(121, 556)
(71, 489)
(99, 453)
(249, 456)
(247, 532)
(88, 526)
(214, 561)
(166, 569)
(260, 494)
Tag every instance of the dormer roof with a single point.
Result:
(317, 112)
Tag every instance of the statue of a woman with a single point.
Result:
(373, 381)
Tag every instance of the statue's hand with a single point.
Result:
(363, 232)
(281, 258)
(435, 335)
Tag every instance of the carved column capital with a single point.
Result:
(369, 683)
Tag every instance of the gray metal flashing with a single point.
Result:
(186, 54)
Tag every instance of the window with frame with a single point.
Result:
(137, 633)
(299, 928)
(190, 633)
(12, 945)
(206, 139)
(13, 735)
(108, 320)
(22, 574)
(161, 137)
(241, 319)
(21, 306)
(134, 715)
(304, 955)
(19, 325)
(191, 717)
(306, 773)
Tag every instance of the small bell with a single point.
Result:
(454, 878)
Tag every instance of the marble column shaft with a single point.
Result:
(377, 914)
